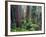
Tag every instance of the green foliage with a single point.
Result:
(25, 26)
(13, 27)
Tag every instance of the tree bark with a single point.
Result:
(27, 13)
(17, 16)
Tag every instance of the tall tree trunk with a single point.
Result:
(27, 13)
(17, 16)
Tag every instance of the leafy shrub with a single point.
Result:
(25, 25)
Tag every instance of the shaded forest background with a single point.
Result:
(26, 18)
